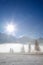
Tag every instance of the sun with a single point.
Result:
(10, 28)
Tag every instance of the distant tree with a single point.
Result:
(37, 48)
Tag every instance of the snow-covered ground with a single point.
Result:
(17, 59)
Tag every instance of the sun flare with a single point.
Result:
(10, 28)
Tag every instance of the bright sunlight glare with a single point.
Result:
(10, 28)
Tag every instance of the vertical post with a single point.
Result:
(11, 50)
(23, 49)
(29, 48)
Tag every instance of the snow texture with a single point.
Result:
(17, 59)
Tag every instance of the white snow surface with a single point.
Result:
(20, 59)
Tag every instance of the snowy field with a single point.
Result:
(14, 59)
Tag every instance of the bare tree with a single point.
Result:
(37, 48)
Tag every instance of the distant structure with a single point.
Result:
(11, 50)
(37, 48)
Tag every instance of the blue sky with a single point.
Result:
(27, 14)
